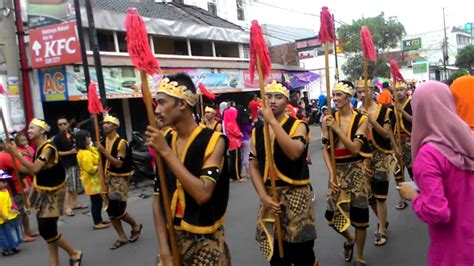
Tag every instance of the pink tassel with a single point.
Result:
(326, 30)
(205, 92)
(367, 44)
(397, 76)
(258, 47)
(138, 43)
(94, 105)
(2, 90)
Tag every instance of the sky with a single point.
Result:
(417, 16)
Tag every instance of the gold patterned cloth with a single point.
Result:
(405, 142)
(118, 187)
(50, 204)
(297, 219)
(205, 250)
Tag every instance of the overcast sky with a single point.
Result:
(417, 16)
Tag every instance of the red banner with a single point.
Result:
(54, 45)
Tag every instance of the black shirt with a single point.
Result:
(63, 143)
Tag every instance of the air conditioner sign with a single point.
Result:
(54, 45)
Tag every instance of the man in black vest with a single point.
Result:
(294, 201)
(196, 176)
(118, 168)
(49, 185)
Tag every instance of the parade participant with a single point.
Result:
(210, 120)
(65, 143)
(381, 120)
(349, 188)
(117, 160)
(49, 184)
(234, 135)
(88, 161)
(196, 174)
(462, 91)
(10, 230)
(443, 152)
(293, 205)
(404, 112)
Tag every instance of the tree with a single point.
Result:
(458, 73)
(465, 58)
(354, 67)
(386, 33)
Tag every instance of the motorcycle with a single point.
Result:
(142, 160)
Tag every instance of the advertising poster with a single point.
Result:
(53, 84)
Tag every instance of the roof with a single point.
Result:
(167, 11)
(284, 34)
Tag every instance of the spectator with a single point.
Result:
(27, 152)
(10, 230)
(386, 96)
(254, 105)
(443, 152)
(245, 126)
(463, 91)
(235, 142)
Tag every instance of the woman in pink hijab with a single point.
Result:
(234, 135)
(443, 152)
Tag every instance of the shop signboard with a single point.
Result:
(48, 12)
(411, 44)
(53, 84)
(274, 75)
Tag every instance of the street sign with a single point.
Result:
(54, 45)
(411, 44)
(420, 67)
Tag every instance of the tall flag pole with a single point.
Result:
(368, 50)
(260, 61)
(327, 36)
(396, 77)
(143, 59)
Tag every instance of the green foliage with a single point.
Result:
(386, 33)
(458, 73)
(465, 58)
(354, 67)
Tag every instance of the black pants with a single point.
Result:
(96, 208)
(294, 254)
(235, 164)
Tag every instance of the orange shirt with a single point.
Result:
(385, 97)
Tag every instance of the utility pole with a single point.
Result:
(445, 48)
(80, 31)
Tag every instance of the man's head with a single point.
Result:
(342, 93)
(4, 179)
(324, 109)
(37, 129)
(176, 98)
(63, 124)
(401, 91)
(277, 96)
(360, 89)
(110, 124)
(210, 113)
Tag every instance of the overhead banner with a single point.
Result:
(48, 12)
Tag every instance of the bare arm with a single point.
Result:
(406, 115)
(69, 152)
(383, 131)
(122, 152)
(31, 167)
(293, 148)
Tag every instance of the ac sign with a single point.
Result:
(54, 45)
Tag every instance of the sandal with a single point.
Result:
(34, 234)
(378, 226)
(79, 207)
(348, 251)
(380, 239)
(134, 235)
(401, 205)
(76, 262)
(100, 226)
(28, 238)
(360, 263)
(118, 244)
(70, 212)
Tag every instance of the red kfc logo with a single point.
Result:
(54, 45)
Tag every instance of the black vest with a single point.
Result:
(127, 166)
(289, 172)
(206, 218)
(405, 124)
(384, 114)
(52, 176)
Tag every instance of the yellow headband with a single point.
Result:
(401, 85)
(276, 87)
(360, 83)
(112, 119)
(40, 123)
(209, 110)
(343, 88)
(177, 91)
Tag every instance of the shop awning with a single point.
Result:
(298, 80)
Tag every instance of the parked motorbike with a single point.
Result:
(142, 160)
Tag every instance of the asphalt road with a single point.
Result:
(407, 236)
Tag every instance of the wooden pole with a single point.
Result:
(15, 168)
(398, 129)
(268, 154)
(202, 108)
(161, 172)
(328, 103)
(366, 86)
(103, 183)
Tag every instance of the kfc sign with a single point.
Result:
(54, 45)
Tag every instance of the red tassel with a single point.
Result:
(367, 44)
(258, 47)
(2, 90)
(94, 105)
(397, 76)
(138, 43)
(326, 30)
(205, 92)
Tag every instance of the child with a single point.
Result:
(27, 152)
(10, 230)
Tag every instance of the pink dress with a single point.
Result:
(446, 204)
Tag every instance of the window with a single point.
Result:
(165, 45)
(240, 10)
(246, 51)
(224, 49)
(212, 8)
(201, 48)
(178, 1)
(105, 38)
(181, 47)
(122, 42)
